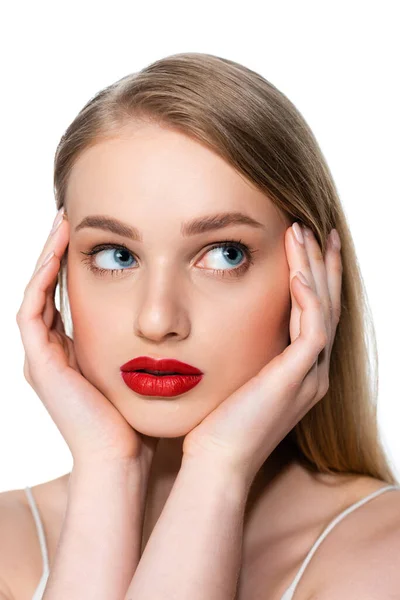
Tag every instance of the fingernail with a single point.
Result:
(335, 239)
(298, 233)
(57, 220)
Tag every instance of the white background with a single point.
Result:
(338, 63)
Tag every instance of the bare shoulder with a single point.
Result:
(15, 523)
(17, 555)
(362, 559)
(334, 531)
(21, 562)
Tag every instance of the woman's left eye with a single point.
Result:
(230, 250)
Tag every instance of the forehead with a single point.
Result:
(150, 169)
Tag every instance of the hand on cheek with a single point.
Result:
(243, 430)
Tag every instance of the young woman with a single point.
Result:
(201, 225)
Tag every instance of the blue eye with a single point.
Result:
(122, 254)
(229, 253)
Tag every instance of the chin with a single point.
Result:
(162, 430)
(163, 419)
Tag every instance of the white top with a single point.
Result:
(288, 594)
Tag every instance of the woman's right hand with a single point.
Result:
(93, 428)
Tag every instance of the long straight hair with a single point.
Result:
(255, 128)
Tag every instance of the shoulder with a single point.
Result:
(20, 557)
(15, 539)
(365, 558)
(330, 529)
(21, 560)
(14, 522)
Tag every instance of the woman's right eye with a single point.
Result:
(119, 252)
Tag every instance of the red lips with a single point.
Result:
(160, 386)
(163, 364)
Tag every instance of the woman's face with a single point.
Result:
(164, 300)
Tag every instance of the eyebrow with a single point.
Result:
(193, 227)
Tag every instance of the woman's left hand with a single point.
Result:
(245, 428)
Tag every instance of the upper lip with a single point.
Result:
(161, 364)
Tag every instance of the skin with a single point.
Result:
(168, 302)
(116, 178)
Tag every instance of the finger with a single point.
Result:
(298, 261)
(33, 328)
(50, 307)
(318, 379)
(50, 311)
(57, 242)
(334, 269)
(299, 357)
(34, 332)
(298, 255)
(318, 268)
(60, 216)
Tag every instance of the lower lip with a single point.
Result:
(167, 386)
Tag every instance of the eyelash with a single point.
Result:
(235, 272)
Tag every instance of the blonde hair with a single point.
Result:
(255, 128)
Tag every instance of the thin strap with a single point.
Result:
(290, 590)
(39, 527)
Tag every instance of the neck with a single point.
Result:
(276, 471)
(167, 463)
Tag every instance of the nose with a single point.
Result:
(162, 315)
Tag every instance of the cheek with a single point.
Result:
(268, 328)
(254, 329)
(92, 322)
(254, 336)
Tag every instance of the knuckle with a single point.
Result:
(20, 316)
(28, 288)
(27, 373)
(317, 301)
